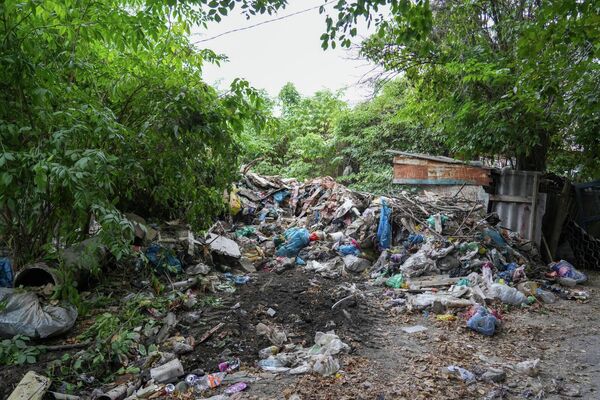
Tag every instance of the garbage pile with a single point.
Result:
(446, 255)
(439, 253)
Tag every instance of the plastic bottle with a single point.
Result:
(191, 379)
(208, 381)
(170, 388)
(545, 296)
(271, 362)
(268, 351)
(229, 365)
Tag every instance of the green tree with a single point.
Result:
(392, 120)
(103, 110)
(517, 79)
(301, 143)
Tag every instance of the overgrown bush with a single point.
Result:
(103, 110)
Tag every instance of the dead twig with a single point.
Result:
(70, 346)
(210, 332)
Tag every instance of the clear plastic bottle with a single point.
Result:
(208, 381)
(545, 296)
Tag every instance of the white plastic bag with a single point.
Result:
(508, 294)
(325, 365)
(275, 336)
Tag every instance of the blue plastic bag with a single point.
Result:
(483, 322)
(162, 259)
(413, 239)
(6, 273)
(507, 274)
(347, 249)
(495, 237)
(565, 270)
(280, 196)
(384, 230)
(295, 240)
(237, 279)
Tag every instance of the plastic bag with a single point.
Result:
(235, 203)
(395, 281)
(356, 264)
(6, 273)
(325, 365)
(384, 230)
(328, 343)
(565, 270)
(347, 249)
(245, 231)
(495, 237)
(545, 296)
(413, 240)
(280, 196)
(418, 264)
(529, 367)
(275, 336)
(464, 374)
(507, 294)
(483, 322)
(437, 221)
(24, 315)
(163, 259)
(486, 272)
(295, 240)
(343, 209)
(268, 351)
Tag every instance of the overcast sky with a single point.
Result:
(283, 51)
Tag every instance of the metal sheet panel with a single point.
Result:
(418, 171)
(516, 216)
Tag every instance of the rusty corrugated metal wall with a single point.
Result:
(418, 171)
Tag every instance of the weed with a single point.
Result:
(17, 351)
(210, 301)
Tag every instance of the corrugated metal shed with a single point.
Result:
(422, 169)
(519, 204)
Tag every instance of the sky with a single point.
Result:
(289, 50)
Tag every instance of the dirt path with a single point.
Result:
(395, 364)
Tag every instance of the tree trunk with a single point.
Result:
(536, 159)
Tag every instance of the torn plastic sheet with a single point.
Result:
(24, 315)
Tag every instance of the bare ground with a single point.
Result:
(385, 362)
